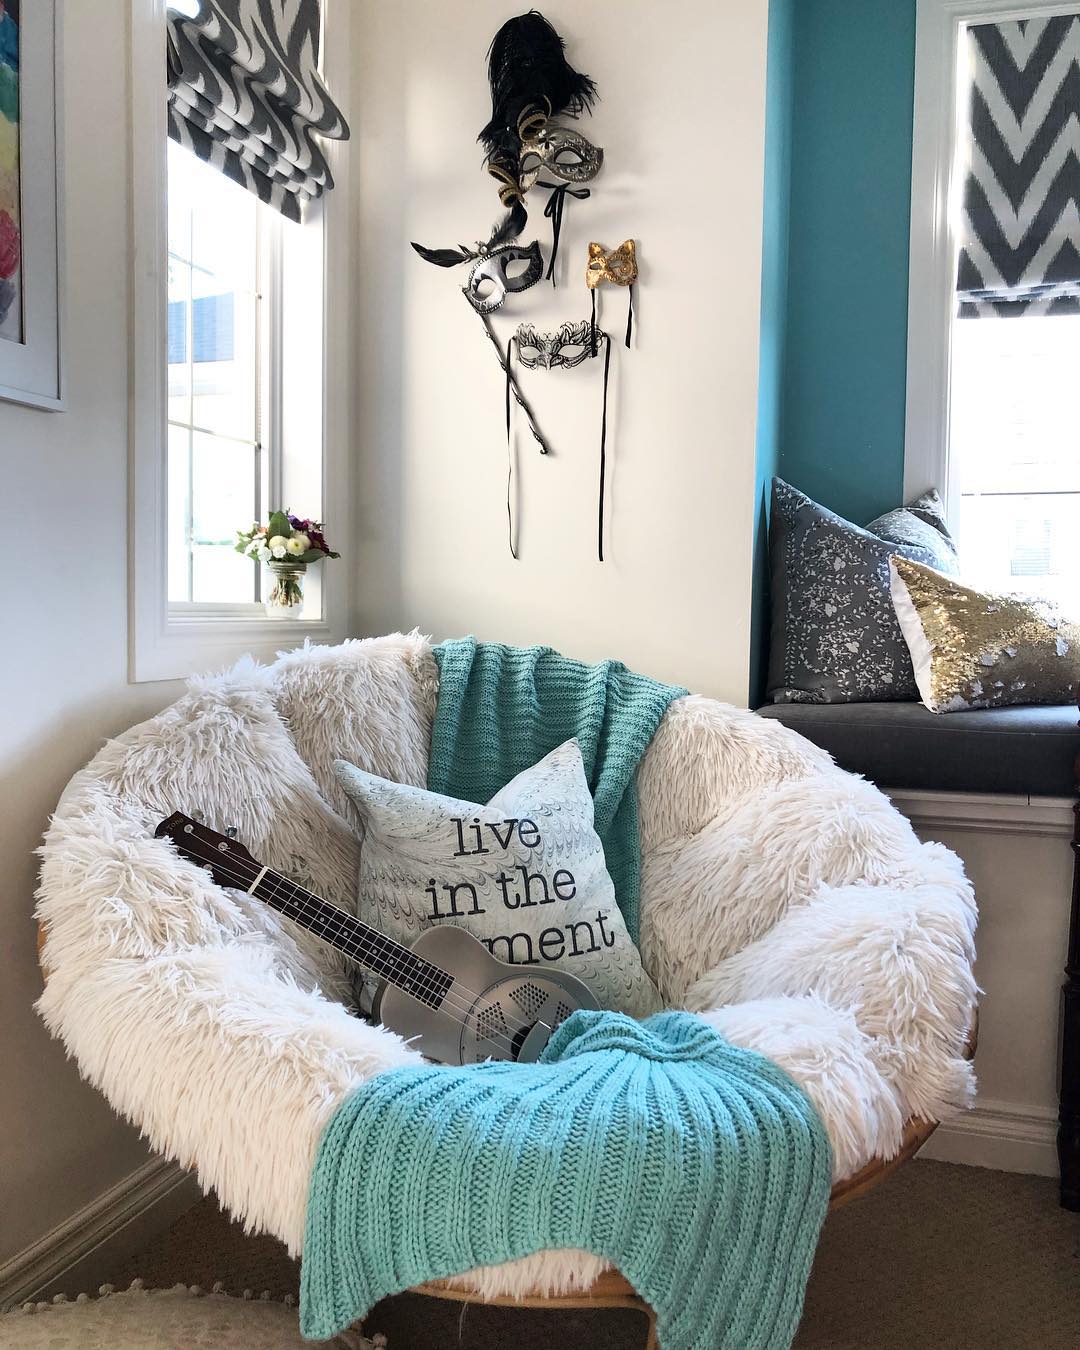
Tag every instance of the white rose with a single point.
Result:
(298, 544)
(264, 554)
(278, 546)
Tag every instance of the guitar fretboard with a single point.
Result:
(363, 944)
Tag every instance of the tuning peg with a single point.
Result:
(230, 831)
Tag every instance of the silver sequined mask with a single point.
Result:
(548, 147)
(492, 279)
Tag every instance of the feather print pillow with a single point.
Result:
(524, 874)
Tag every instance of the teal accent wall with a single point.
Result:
(774, 306)
(834, 283)
(841, 424)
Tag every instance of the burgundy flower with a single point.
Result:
(9, 245)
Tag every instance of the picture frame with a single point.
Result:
(31, 203)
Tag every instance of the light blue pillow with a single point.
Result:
(524, 874)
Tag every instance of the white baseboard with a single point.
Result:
(105, 1231)
(1001, 1135)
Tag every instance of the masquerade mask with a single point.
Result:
(530, 78)
(618, 267)
(546, 146)
(566, 348)
(498, 267)
(499, 271)
(531, 85)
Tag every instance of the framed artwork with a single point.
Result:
(30, 203)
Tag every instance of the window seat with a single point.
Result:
(1028, 750)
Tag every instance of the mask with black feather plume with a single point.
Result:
(532, 84)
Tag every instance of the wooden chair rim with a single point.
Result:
(612, 1290)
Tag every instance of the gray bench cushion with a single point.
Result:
(903, 745)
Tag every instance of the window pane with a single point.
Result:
(179, 341)
(1015, 452)
(179, 513)
(223, 501)
(224, 358)
(214, 371)
(224, 220)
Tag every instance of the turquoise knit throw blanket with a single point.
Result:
(701, 1171)
(501, 709)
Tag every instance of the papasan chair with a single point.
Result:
(783, 899)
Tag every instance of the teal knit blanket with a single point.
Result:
(501, 709)
(701, 1171)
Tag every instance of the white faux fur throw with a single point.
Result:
(785, 900)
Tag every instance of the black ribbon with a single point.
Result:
(603, 451)
(554, 211)
(509, 456)
(630, 315)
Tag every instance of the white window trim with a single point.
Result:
(164, 643)
(934, 246)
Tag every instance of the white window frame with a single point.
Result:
(934, 250)
(170, 642)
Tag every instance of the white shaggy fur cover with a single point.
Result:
(785, 900)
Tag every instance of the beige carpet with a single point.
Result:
(939, 1258)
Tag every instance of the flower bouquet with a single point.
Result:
(286, 544)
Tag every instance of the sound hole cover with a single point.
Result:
(490, 1023)
(529, 997)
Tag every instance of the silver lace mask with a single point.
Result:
(567, 347)
(490, 281)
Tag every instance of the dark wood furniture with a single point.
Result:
(1068, 1138)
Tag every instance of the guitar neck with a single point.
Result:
(361, 943)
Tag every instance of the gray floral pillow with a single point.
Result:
(524, 874)
(835, 636)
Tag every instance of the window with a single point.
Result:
(240, 384)
(218, 470)
(1014, 442)
(994, 323)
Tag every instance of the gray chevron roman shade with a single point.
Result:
(246, 96)
(1019, 227)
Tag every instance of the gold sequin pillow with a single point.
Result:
(978, 649)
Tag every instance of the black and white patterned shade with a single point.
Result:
(245, 95)
(1020, 226)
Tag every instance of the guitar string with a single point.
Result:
(343, 918)
(462, 1007)
(449, 1000)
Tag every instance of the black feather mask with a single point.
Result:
(529, 74)
(532, 84)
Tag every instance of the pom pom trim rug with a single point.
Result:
(180, 1318)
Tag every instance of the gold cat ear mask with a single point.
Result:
(619, 266)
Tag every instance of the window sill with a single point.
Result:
(183, 646)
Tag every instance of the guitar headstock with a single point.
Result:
(229, 863)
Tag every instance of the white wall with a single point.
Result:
(681, 120)
(63, 677)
